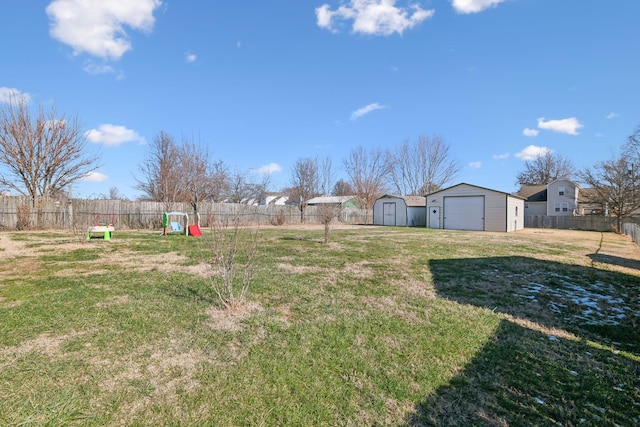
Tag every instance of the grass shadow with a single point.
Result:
(615, 260)
(594, 304)
(558, 357)
(524, 377)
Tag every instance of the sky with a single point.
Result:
(263, 84)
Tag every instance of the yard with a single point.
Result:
(382, 326)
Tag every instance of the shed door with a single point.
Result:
(434, 217)
(464, 213)
(389, 213)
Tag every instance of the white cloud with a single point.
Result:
(475, 165)
(375, 17)
(112, 135)
(97, 27)
(95, 177)
(530, 132)
(97, 69)
(269, 169)
(366, 110)
(190, 57)
(570, 125)
(532, 152)
(474, 6)
(503, 156)
(8, 94)
(612, 115)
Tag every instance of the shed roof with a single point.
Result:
(411, 201)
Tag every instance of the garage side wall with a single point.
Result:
(515, 214)
(495, 212)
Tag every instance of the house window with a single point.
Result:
(565, 207)
(516, 211)
(561, 190)
(557, 206)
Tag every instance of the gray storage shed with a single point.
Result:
(404, 211)
(469, 207)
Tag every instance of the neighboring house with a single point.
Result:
(404, 211)
(337, 201)
(271, 199)
(562, 198)
(536, 199)
(469, 207)
(558, 198)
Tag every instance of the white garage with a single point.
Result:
(469, 207)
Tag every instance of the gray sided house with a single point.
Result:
(558, 198)
(469, 207)
(403, 211)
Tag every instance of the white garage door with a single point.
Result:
(464, 213)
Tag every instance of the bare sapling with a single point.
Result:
(79, 222)
(232, 249)
(326, 214)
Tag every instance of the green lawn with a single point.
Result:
(382, 326)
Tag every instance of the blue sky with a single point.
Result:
(263, 84)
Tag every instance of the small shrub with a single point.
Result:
(232, 251)
(24, 217)
(279, 218)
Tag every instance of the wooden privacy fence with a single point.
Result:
(587, 222)
(21, 212)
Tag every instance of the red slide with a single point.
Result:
(194, 230)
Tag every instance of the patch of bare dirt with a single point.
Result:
(46, 344)
(231, 319)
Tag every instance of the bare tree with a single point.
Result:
(614, 184)
(242, 188)
(238, 187)
(546, 168)
(304, 183)
(326, 176)
(342, 188)
(160, 176)
(421, 167)
(633, 143)
(367, 171)
(326, 213)
(114, 194)
(41, 156)
(201, 178)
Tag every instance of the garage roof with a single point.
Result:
(478, 187)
